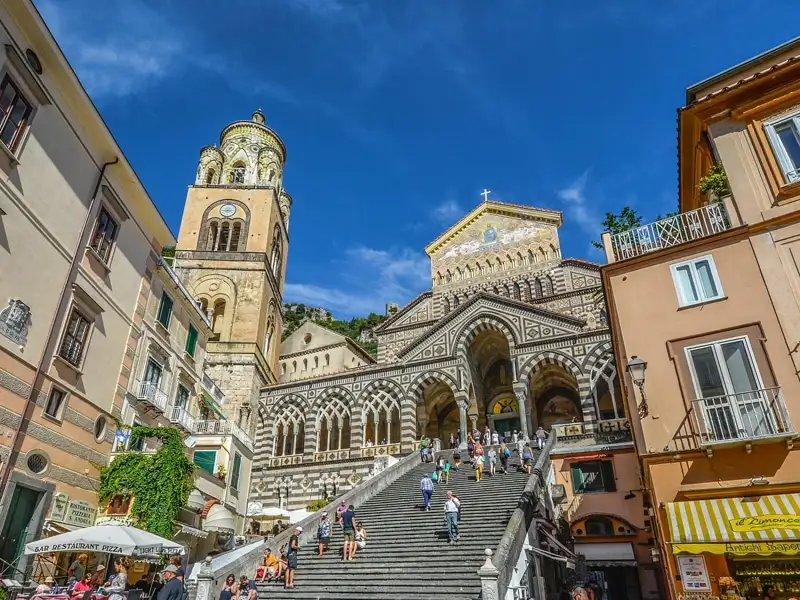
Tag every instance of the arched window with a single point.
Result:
(537, 288)
(217, 319)
(210, 174)
(542, 255)
(333, 426)
(547, 284)
(294, 366)
(606, 390)
(467, 272)
(270, 334)
(488, 266)
(446, 304)
(327, 360)
(531, 257)
(283, 368)
(520, 260)
(498, 265)
(224, 236)
(456, 301)
(516, 291)
(305, 364)
(438, 280)
(448, 277)
(600, 526)
(204, 305)
(212, 237)
(458, 274)
(289, 432)
(381, 418)
(238, 173)
(277, 253)
(236, 233)
(316, 362)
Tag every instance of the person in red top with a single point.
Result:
(82, 586)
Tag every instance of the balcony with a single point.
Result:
(150, 394)
(177, 415)
(211, 388)
(607, 435)
(223, 427)
(666, 233)
(746, 417)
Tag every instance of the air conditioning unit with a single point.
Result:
(558, 493)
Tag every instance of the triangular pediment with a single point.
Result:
(495, 224)
(527, 324)
(418, 310)
(310, 336)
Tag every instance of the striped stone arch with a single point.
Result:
(550, 357)
(597, 352)
(277, 414)
(382, 384)
(482, 323)
(342, 399)
(423, 380)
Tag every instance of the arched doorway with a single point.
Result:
(437, 413)
(555, 397)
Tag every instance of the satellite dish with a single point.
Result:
(190, 442)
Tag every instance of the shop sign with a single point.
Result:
(740, 548)
(762, 522)
(115, 519)
(59, 509)
(694, 575)
(80, 513)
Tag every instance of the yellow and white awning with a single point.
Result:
(765, 525)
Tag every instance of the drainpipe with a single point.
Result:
(55, 328)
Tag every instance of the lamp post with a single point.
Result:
(636, 370)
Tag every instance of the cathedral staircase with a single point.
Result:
(407, 555)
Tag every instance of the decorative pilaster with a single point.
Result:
(462, 400)
(521, 392)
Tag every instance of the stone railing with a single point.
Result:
(498, 570)
(577, 436)
(223, 427)
(206, 578)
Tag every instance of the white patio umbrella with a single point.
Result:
(108, 538)
(298, 515)
(274, 512)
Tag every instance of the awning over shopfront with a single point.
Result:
(764, 525)
(219, 519)
(607, 554)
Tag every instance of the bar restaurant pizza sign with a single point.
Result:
(764, 522)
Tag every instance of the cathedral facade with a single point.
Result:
(510, 336)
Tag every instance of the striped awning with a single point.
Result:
(762, 525)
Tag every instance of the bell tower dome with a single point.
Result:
(231, 254)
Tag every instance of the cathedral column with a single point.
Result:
(376, 423)
(328, 444)
(341, 430)
(521, 393)
(462, 400)
(294, 443)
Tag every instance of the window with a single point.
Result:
(236, 233)
(165, 310)
(152, 374)
(327, 360)
(593, 476)
(217, 318)
(696, 281)
(182, 397)
(238, 173)
(104, 233)
(224, 236)
(75, 335)
(191, 341)
(136, 441)
(283, 368)
(206, 460)
(55, 402)
(599, 526)
(15, 111)
(119, 505)
(236, 470)
(785, 140)
(726, 379)
(100, 426)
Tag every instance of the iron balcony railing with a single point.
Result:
(149, 392)
(672, 231)
(223, 427)
(178, 415)
(742, 417)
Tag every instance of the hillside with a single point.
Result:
(359, 328)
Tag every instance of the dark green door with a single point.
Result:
(15, 528)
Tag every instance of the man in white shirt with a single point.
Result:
(451, 507)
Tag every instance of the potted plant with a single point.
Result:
(221, 472)
(715, 184)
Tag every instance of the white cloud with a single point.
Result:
(369, 278)
(577, 206)
(448, 212)
(115, 52)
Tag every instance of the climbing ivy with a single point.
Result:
(160, 483)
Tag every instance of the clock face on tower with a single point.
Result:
(227, 210)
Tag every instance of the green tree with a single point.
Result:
(160, 482)
(627, 218)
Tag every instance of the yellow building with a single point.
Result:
(706, 324)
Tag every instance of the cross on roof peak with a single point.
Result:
(485, 193)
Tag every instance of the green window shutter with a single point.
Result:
(206, 460)
(237, 467)
(165, 310)
(577, 479)
(607, 470)
(191, 341)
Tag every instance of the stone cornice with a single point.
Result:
(312, 350)
(415, 302)
(417, 325)
(579, 262)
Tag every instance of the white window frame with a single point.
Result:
(59, 414)
(682, 299)
(791, 174)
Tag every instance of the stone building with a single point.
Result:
(511, 336)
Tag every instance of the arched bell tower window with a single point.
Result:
(277, 253)
(210, 174)
(236, 233)
(224, 236)
(213, 232)
(238, 173)
(217, 319)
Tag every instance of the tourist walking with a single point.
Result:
(505, 454)
(323, 534)
(541, 437)
(495, 438)
(340, 510)
(477, 464)
(349, 531)
(447, 471)
(426, 485)
(291, 557)
(514, 437)
(173, 588)
(527, 458)
(492, 456)
(453, 445)
(424, 448)
(451, 509)
(471, 447)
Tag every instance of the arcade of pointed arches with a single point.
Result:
(548, 388)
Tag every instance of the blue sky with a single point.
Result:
(397, 113)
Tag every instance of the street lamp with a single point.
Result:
(636, 369)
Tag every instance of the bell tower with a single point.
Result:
(231, 254)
